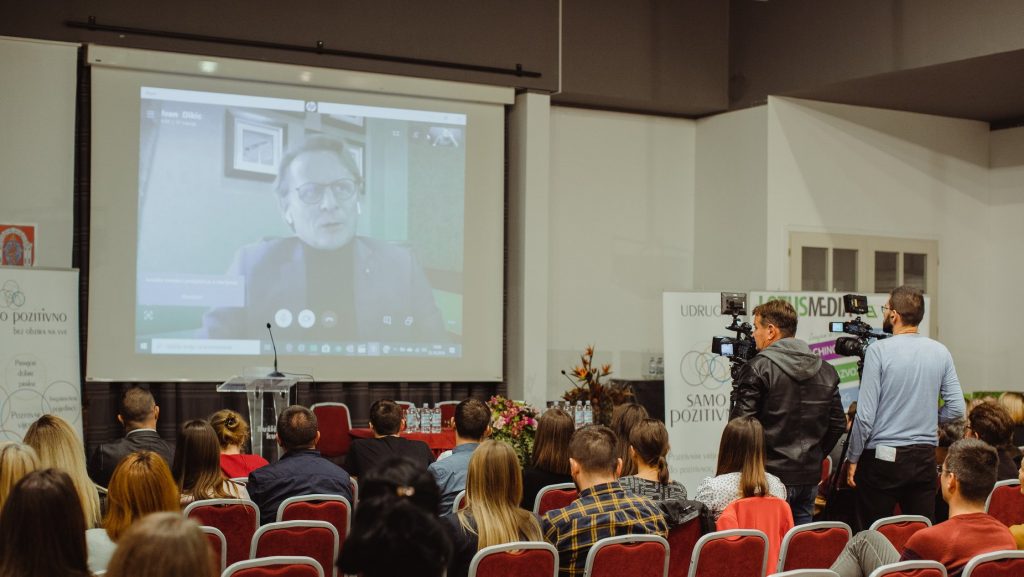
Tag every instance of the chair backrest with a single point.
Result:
(681, 541)
(240, 480)
(316, 539)
(447, 410)
(808, 573)
(218, 543)
(334, 421)
(527, 559)
(1006, 503)
(633, 555)
(333, 509)
(898, 528)
(554, 497)
(460, 501)
(996, 564)
(911, 569)
(814, 545)
(769, 515)
(237, 519)
(276, 566)
(736, 552)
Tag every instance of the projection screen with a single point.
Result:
(359, 215)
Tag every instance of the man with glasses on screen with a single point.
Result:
(893, 437)
(326, 282)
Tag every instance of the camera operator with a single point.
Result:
(795, 396)
(893, 438)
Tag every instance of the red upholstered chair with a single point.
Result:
(278, 566)
(218, 543)
(527, 559)
(814, 545)
(633, 555)
(808, 573)
(911, 569)
(237, 519)
(554, 496)
(460, 502)
(316, 539)
(733, 553)
(334, 509)
(334, 421)
(769, 515)
(681, 541)
(996, 564)
(898, 528)
(1006, 502)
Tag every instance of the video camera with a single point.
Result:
(740, 348)
(863, 334)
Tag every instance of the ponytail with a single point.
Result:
(663, 470)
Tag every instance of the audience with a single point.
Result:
(300, 471)
(494, 489)
(232, 434)
(16, 461)
(648, 447)
(164, 545)
(949, 433)
(42, 528)
(57, 445)
(966, 479)
(549, 463)
(992, 423)
(386, 421)
(1018, 530)
(624, 418)
(396, 532)
(138, 414)
(472, 420)
(196, 467)
(595, 468)
(141, 484)
(740, 471)
(1013, 402)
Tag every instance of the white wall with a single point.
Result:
(1005, 238)
(621, 233)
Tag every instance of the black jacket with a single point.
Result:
(297, 472)
(795, 396)
(106, 456)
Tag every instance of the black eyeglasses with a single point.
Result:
(343, 189)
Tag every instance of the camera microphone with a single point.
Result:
(276, 374)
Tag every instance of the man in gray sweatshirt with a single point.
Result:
(795, 396)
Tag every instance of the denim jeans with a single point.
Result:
(801, 501)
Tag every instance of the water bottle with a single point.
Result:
(661, 368)
(577, 414)
(435, 420)
(652, 368)
(412, 420)
(588, 414)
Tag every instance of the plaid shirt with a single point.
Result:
(601, 511)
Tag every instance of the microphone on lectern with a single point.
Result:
(276, 374)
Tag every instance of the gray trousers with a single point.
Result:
(867, 551)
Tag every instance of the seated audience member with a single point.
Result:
(1013, 402)
(740, 470)
(967, 477)
(142, 484)
(396, 532)
(948, 434)
(57, 445)
(992, 423)
(550, 461)
(164, 545)
(648, 447)
(603, 509)
(472, 420)
(386, 421)
(300, 471)
(196, 466)
(16, 461)
(138, 415)
(232, 434)
(1018, 530)
(624, 418)
(42, 528)
(494, 488)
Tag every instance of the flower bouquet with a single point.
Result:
(602, 397)
(515, 423)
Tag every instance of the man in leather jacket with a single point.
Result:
(795, 396)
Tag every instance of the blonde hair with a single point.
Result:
(141, 484)
(494, 488)
(163, 545)
(230, 427)
(1013, 402)
(57, 445)
(16, 461)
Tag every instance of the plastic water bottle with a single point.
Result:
(435, 420)
(578, 414)
(412, 420)
(588, 414)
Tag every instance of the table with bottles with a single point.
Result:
(421, 424)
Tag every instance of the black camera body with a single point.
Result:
(741, 348)
(863, 333)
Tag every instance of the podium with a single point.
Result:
(254, 387)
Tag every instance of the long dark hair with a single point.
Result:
(551, 445)
(196, 466)
(742, 451)
(42, 528)
(624, 418)
(649, 439)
